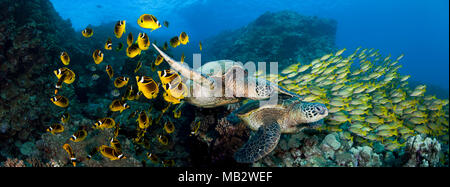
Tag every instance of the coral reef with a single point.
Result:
(422, 152)
(285, 37)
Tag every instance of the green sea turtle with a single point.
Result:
(270, 120)
(223, 82)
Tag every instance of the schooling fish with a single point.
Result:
(121, 82)
(65, 118)
(111, 153)
(138, 66)
(97, 56)
(169, 76)
(184, 38)
(163, 139)
(174, 42)
(169, 127)
(119, 47)
(109, 71)
(108, 44)
(60, 101)
(119, 28)
(195, 128)
(79, 136)
(159, 60)
(64, 75)
(182, 58)
(179, 91)
(69, 150)
(166, 46)
(132, 115)
(169, 98)
(87, 32)
(148, 21)
(200, 45)
(130, 39)
(152, 157)
(65, 59)
(166, 23)
(55, 128)
(115, 144)
(133, 50)
(143, 41)
(147, 86)
(143, 120)
(105, 123)
(118, 105)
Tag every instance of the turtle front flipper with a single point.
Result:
(185, 71)
(260, 144)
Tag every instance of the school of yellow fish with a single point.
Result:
(367, 98)
(175, 91)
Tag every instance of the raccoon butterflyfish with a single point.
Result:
(147, 86)
(159, 59)
(111, 153)
(115, 144)
(165, 46)
(168, 163)
(182, 58)
(195, 128)
(92, 152)
(132, 114)
(143, 41)
(64, 75)
(65, 118)
(97, 56)
(153, 67)
(79, 136)
(169, 76)
(110, 71)
(108, 44)
(119, 47)
(163, 139)
(87, 32)
(143, 120)
(148, 21)
(130, 39)
(105, 123)
(55, 128)
(166, 23)
(179, 91)
(169, 127)
(152, 157)
(169, 98)
(200, 45)
(121, 82)
(184, 38)
(60, 101)
(69, 150)
(133, 50)
(138, 66)
(131, 94)
(119, 28)
(116, 131)
(118, 105)
(176, 113)
(65, 59)
(174, 42)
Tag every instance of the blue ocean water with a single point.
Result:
(417, 28)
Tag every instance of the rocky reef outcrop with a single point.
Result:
(285, 37)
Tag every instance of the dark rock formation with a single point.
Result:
(285, 37)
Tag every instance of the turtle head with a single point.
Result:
(303, 112)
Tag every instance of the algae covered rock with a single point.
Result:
(422, 152)
(285, 37)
